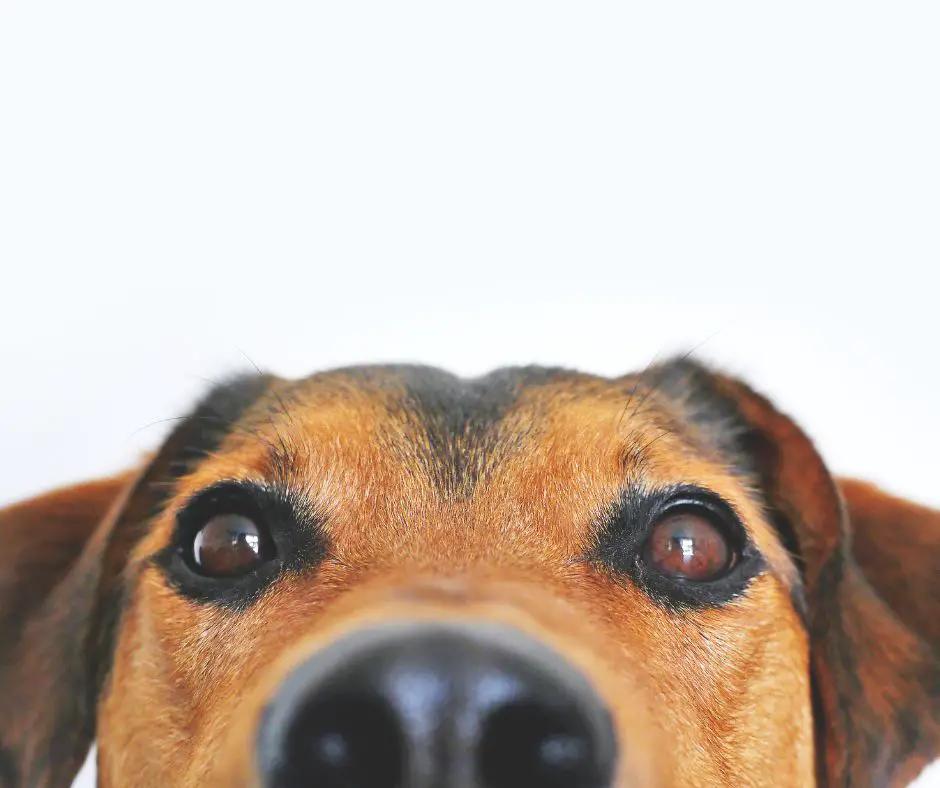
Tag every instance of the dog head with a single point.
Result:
(388, 576)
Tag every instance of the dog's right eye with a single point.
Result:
(235, 538)
(229, 545)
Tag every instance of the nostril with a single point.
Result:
(528, 743)
(420, 705)
(345, 741)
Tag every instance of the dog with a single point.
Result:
(390, 576)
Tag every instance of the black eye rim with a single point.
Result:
(292, 530)
(621, 541)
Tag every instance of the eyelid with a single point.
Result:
(227, 496)
(727, 514)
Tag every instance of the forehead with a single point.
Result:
(521, 461)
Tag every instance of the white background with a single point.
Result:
(190, 182)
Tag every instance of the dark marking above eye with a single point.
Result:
(215, 417)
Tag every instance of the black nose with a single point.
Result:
(433, 706)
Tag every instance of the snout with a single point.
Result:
(422, 705)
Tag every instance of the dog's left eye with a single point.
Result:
(687, 544)
(228, 545)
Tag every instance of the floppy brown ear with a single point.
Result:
(870, 581)
(896, 543)
(49, 575)
(62, 586)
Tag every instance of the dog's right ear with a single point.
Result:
(869, 588)
(62, 584)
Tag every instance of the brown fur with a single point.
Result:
(426, 521)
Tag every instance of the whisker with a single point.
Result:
(641, 378)
(285, 450)
(250, 360)
(654, 387)
(154, 424)
(637, 383)
(645, 447)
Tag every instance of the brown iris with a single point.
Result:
(228, 545)
(688, 546)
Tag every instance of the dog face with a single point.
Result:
(392, 577)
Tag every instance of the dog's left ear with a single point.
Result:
(870, 571)
(890, 620)
(63, 578)
(896, 544)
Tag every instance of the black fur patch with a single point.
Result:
(692, 387)
(459, 420)
(8, 772)
(214, 417)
